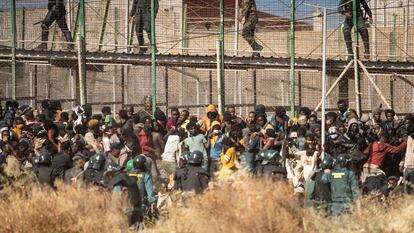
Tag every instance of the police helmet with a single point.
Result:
(140, 161)
(111, 168)
(343, 160)
(97, 162)
(196, 158)
(184, 157)
(130, 165)
(327, 162)
(270, 157)
(44, 158)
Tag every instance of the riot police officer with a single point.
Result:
(192, 177)
(141, 10)
(94, 172)
(56, 12)
(114, 177)
(270, 164)
(249, 20)
(319, 193)
(346, 9)
(137, 170)
(44, 170)
(343, 183)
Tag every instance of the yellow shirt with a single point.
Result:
(229, 158)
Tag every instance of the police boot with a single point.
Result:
(68, 37)
(256, 49)
(45, 37)
(350, 55)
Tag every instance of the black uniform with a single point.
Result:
(141, 9)
(56, 12)
(122, 179)
(191, 178)
(92, 176)
(345, 6)
(44, 174)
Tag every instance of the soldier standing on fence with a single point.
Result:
(56, 12)
(346, 9)
(248, 18)
(141, 10)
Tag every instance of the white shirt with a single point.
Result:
(171, 147)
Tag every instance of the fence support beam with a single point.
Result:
(335, 83)
(379, 92)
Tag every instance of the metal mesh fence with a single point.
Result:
(191, 27)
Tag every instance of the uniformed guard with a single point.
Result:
(44, 170)
(94, 173)
(319, 193)
(270, 164)
(192, 177)
(141, 10)
(116, 179)
(136, 169)
(345, 8)
(344, 185)
(249, 19)
(56, 12)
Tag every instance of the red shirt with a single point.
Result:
(145, 142)
(377, 151)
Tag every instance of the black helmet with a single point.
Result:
(111, 168)
(196, 158)
(140, 161)
(97, 162)
(44, 158)
(343, 160)
(270, 157)
(327, 162)
(184, 157)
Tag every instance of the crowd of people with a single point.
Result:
(145, 153)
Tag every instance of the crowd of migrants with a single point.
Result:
(141, 153)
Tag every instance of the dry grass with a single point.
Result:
(67, 210)
(244, 206)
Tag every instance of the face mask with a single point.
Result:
(216, 131)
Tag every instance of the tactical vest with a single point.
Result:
(44, 175)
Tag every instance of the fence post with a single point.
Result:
(105, 18)
(81, 54)
(153, 65)
(221, 52)
(22, 27)
(292, 57)
(356, 57)
(323, 78)
(13, 45)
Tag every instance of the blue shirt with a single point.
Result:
(215, 150)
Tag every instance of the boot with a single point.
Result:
(45, 37)
(68, 37)
(256, 49)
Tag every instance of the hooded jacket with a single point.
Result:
(206, 125)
